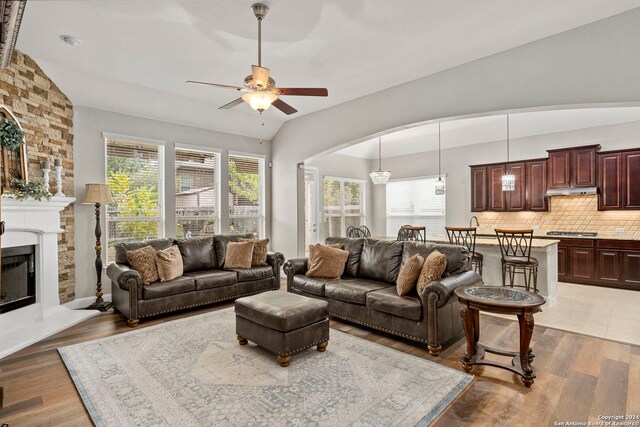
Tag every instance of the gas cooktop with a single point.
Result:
(572, 233)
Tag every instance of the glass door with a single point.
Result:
(310, 207)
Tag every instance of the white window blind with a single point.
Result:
(246, 195)
(343, 205)
(134, 174)
(197, 193)
(414, 202)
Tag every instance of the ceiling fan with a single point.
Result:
(260, 89)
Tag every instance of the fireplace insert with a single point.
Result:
(18, 285)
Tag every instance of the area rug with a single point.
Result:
(192, 372)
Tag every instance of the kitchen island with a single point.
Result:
(544, 250)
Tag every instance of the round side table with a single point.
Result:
(498, 299)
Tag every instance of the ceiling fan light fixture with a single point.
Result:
(259, 101)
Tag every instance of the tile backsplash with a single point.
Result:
(567, 213)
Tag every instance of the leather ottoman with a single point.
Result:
(283, 323)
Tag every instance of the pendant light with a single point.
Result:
(439, 182)
(380, 176)
(508, 179)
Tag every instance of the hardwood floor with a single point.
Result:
(578, 377)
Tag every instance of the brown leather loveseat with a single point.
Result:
(205, 280)
(366, 292)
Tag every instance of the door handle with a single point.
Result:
(1, 228)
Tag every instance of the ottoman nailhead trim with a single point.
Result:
(292, 352)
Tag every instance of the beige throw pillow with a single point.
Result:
(259, 255)
(409, 274)
(312, 250)
(239, 255)
(169, 263)
(432, 270)
(143, 261)
(328, 263)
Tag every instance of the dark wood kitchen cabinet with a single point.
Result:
(631, 180)
(573, 167)
(516, 200)
(611, 263)
(582, 263)
(497, 199)
(619, 175)
(610, 181)
(479, 195)
(559, 169)
(536, 196)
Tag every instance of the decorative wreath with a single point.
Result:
(11, 136)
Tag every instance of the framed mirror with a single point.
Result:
(14, 160)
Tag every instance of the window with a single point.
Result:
(246, 195)
(343, 205)
(134, 174)
(197, 193)
(414, 202)
(185, 181)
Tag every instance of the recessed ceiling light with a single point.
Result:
(73, 41)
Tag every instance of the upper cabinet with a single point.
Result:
(537, 185)
(619, 174)
(530, 192)
(478, 188)
(572, 167)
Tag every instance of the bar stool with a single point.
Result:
(412, 233)
(466, 236)
(515, 247)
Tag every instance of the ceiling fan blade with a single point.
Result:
(217, 85)
(260, 76)
(302, 91)
(284, 107)
(231, 104)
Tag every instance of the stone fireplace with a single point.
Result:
(30, 244)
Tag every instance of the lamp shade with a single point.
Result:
(259, 101)
(97, 193)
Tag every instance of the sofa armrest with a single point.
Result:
(275, 260)
(295, 266)
(124, 276)
(443, 288)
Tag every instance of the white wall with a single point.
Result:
(596, 63)
(338, 165)
(89, 164)
(456, 161)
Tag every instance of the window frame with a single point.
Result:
(416, 178)
(161, 217)
(343, 215)
(217, 178)
(262, 220)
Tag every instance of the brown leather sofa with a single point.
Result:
(205, 280)
(366, 292)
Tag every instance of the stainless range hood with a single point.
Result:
(583, 191)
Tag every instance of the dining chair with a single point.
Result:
(515, 248)
(466, 236)
(412, 233)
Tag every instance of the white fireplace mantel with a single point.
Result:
(32, 222)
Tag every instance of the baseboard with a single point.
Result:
(84, 302)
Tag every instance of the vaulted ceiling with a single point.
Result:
(135, 56)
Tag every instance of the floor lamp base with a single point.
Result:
(100, 305)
